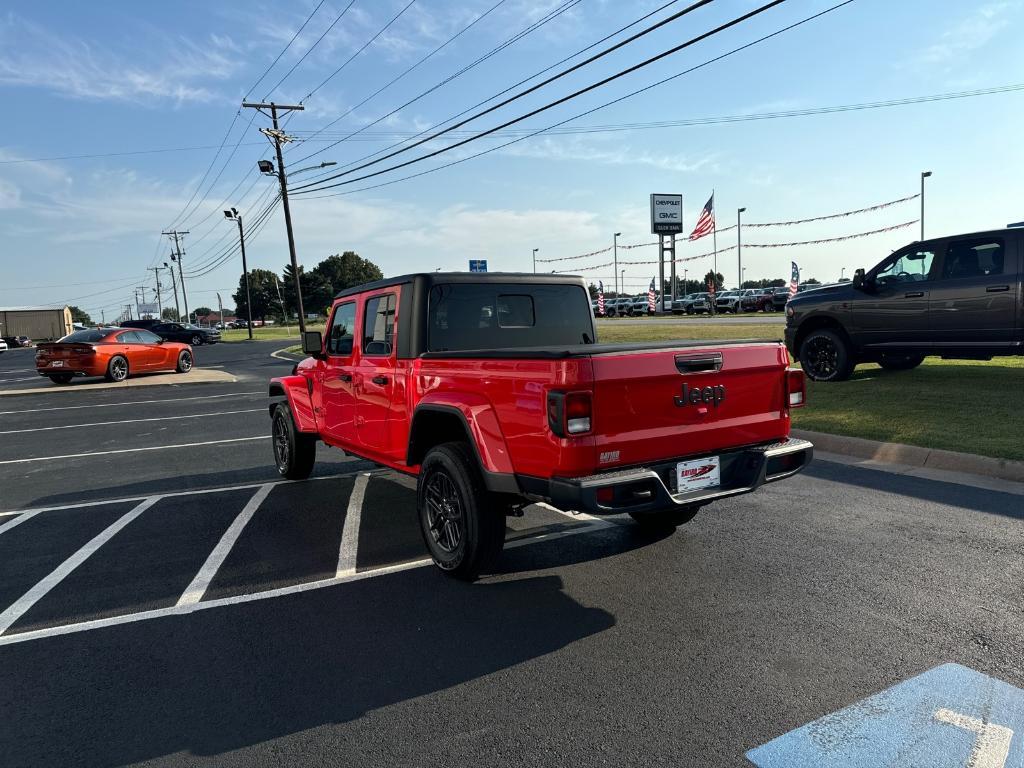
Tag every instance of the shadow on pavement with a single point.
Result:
(223, 679)
(952, 494)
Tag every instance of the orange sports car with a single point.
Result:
(112, 352)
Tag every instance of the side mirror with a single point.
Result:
(313, 343)
(858, 280)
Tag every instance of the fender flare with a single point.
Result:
(296, 390)
(480, 422)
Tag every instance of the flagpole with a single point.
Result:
(714, 268)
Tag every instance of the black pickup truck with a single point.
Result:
(956, 297)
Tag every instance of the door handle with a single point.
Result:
(381, 380)
(345, 377)
(997, 288)
(913, 295)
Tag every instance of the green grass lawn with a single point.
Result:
(266, 332)
(612, 332)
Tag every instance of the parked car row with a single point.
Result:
(625, 306)
(13, 342)
(734, 301)
(185, 333)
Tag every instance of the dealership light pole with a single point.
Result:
(174, 285)
(739, 247)
(236, 216)
(622, 282)
(615, 256)
(924, 175)
(535, 260)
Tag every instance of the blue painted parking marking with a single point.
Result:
(948, 717)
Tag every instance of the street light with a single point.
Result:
(739, 247)
(622, 283)
(234, 215)
(535, 260)
(924, 175)
(615, 255)
(842, 273)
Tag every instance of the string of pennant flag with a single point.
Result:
(762, 225)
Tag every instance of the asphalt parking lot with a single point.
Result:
(166, 600)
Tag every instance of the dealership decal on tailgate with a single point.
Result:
(698, 473)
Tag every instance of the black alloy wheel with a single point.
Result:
(294, 451)
(117, 369)
(196, 339)
(825, 356)
(184, 361)
(445, 520)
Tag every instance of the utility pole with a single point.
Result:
(103, 316)
(279, 137)
(174, 285)
(924, 175)
(739, 248)
(615, 257)
(234, 214)
(181, 273)
(159, 300)
(535, 260)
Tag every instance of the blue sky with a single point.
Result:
(111, 77)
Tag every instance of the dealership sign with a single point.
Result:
(666, 214)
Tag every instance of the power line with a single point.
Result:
(283, 50)
(617, 100)
(308, 50)
(607, 51)
(205, 259)
(554, 13)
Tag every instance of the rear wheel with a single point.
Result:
(665, 519)
(294, 451)
(117, 368)
(826, 356)
(184, 362)
(900, 362)
(60, 378)
(462, 524)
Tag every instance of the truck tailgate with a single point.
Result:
(659, 404)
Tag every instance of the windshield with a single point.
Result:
(465, 316)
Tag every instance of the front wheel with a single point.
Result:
(665, 519)
(463, 529)
(294, 451)
(826, 356)
(900, 362)
(184, 362)
(196, 340)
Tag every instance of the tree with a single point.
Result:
(170, 313)
(202, 311)
(80, 316)
(345, 271)
(812, 281)
(263, 288)
(717, 277)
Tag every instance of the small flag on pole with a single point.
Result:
(794, 280)
(650, 297)
(600, 298)
(706, 220)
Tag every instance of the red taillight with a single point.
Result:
(569, 413)
(796, 388)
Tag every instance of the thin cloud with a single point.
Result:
(966, 36)
(579, 151)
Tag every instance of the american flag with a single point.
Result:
(706, 220)
(794, 280)
(600, 297)
(650, 297)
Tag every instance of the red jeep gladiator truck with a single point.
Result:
(494, 392)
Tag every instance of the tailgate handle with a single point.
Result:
(698, 363)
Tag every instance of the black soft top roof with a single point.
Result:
(429, 279)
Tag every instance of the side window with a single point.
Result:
(973, 258)
(128, 337)
(379, 325)
(343, 327)
(145, 337)
(910, 266)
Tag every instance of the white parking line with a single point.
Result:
(34, 595)
(182, 610)
(133, 421)
(17, 521)
(134, 450)
(195, 591)
(132, 402)
(11, 381)
(350, 532)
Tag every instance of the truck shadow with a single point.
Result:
(226, 678)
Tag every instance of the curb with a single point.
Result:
(915, 456)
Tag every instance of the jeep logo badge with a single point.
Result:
(696, 395)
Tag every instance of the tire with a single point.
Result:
(196, 340)
(117, 369)
(689, 310)
(61, 378)
(294, 451)
(462, 526)
(665, 519)
(185, 361)
(900, 362)
(826, 356)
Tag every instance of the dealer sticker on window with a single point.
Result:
(698, 473)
